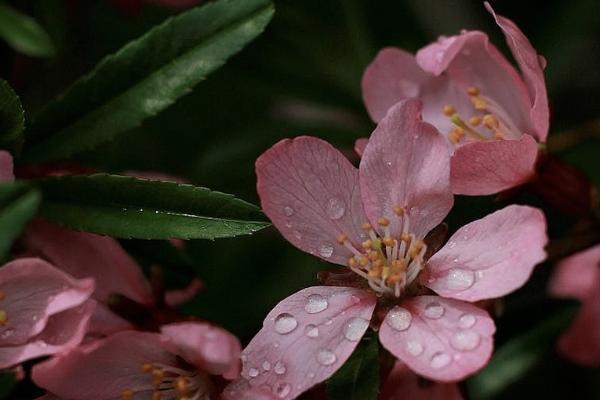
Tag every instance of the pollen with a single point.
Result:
(127, 394)
(490, 121)
(367, 244)
(3, 317)
(363, 261)
(473, 91)
(478, 103)
(147, 367)
(342, 237)
(448, 110)
(158, 376)
(388, 241)
(475, 121)
(366, 226)
(456, 134)
(352, 263)
(181, 386)
(382, 221)
(405, 237)
(399, 211)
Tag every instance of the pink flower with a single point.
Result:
(402, 383)
(491, 115)
(375, 220)
(578, 277)
(42, 310)
(6, 167)
(182, 361)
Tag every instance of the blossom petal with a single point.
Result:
(488, 167)
(392, 76)
(576, 276)
(34, 290)
(306, 338)
(104, 369)
(205, 346)
(581, 343)
(242, 390)
(180, 296)
(532, 67)
(104, 322)
(441, 339)
(402, 383)
(310, 192)
(6, 166)
(63, 331)
(360, 145)
(406, 164)
(83, 254)
(489, 257)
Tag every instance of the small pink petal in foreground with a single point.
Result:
(576, 276)
(402, 383)
(581, 342)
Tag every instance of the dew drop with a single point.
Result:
(399, 318)
(315, 303)
(283, 389)
(326, 250)
(434, 310)
(465, 340)
(466, 321)
(285, 323)
(279, 368)
(252, 372)
(312, 331)
(439, 360)
(355, 328)
(266, 366)
(460, 279)
(414, 348)
(335, 208)
(288, 211)
(326, 357)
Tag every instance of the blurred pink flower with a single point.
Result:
(402, 383)
(578, 277)
(182, 361)
(492, 116)
(375, 220)
(42, 310)
(6, 166)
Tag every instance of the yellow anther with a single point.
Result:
(377, 263)
(473, 91)
(373, 255)
(375, 272)
(456, 134)
(478, 103)
(363, 261)
(399, 211)
(352, 262)
(147, 367)
(366, 226)
(127, 394)
(398, 266)
(388, 241)
(158, 376)
(490, 121)
(3, 317)
(342, 237)
(181, 385)
(385, 272)
(448, 110)
(382, 221)
(405, 237)
(367, 244)
(416, 248)
(394, 278)
(475, 121)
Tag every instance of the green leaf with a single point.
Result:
(23, 33)
(127, 207)
(145, 77)
(18, 204)
(515, 358)
(358, 379)
(12, 118)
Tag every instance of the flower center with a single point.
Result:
(389, 264)
(487, 115)
(169, 382)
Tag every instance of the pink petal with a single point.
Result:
(441, 339)
(179, 296)
(104, 322)
(88, 255)
(533, 72)
(489, 257)
(392, 76)
(63, 331)
(581, 343)
(310, 192)
(488, 167)
(205, 346)
(402, 383)
(32, 291)
(242, 390)
(6, 167)
(360, 145)
(306, 338)
(577, 275)
(104, 369)
(405, 165)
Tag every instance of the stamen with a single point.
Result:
(147, 367)
(181, 386)
(367, 244)
(448, 110)
(158, 375)
(382, 221)
(363, 261)
(478, 103)
(473, 91)
(352, 263)
(3, 317)
(399, 211)
(456, 134)
(2, 295)
(456, 120)
(156, 395)
(342, 237)
(475, 121)
(127, 394)
(388, 241)
(492, 123)
(366, 226)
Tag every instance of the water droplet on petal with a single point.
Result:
(355, 328)
(266, 366)
(460, 279)
(326, 250)
(279, 368)
(283, 389)
(399, 318)
(466, 321)
(312, 331)
(326, 357)
(252, 372)
(315, 303)
(335, 208)
(414, 348)
(439, 360)
(465, 340)
(434, 310)
(285, 323)
(288, 211)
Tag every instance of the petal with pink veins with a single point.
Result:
(581, 342)
(442, 339)
(6, 166)
(402, 383)
(306, 338)
(576, 276)
(83, 254)
(208, 347)
(310, 192)
(32, 291)
(405, 164)
(488, 167)
(242, 390)
(392, 76)
(490, 257)
(532, 66)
